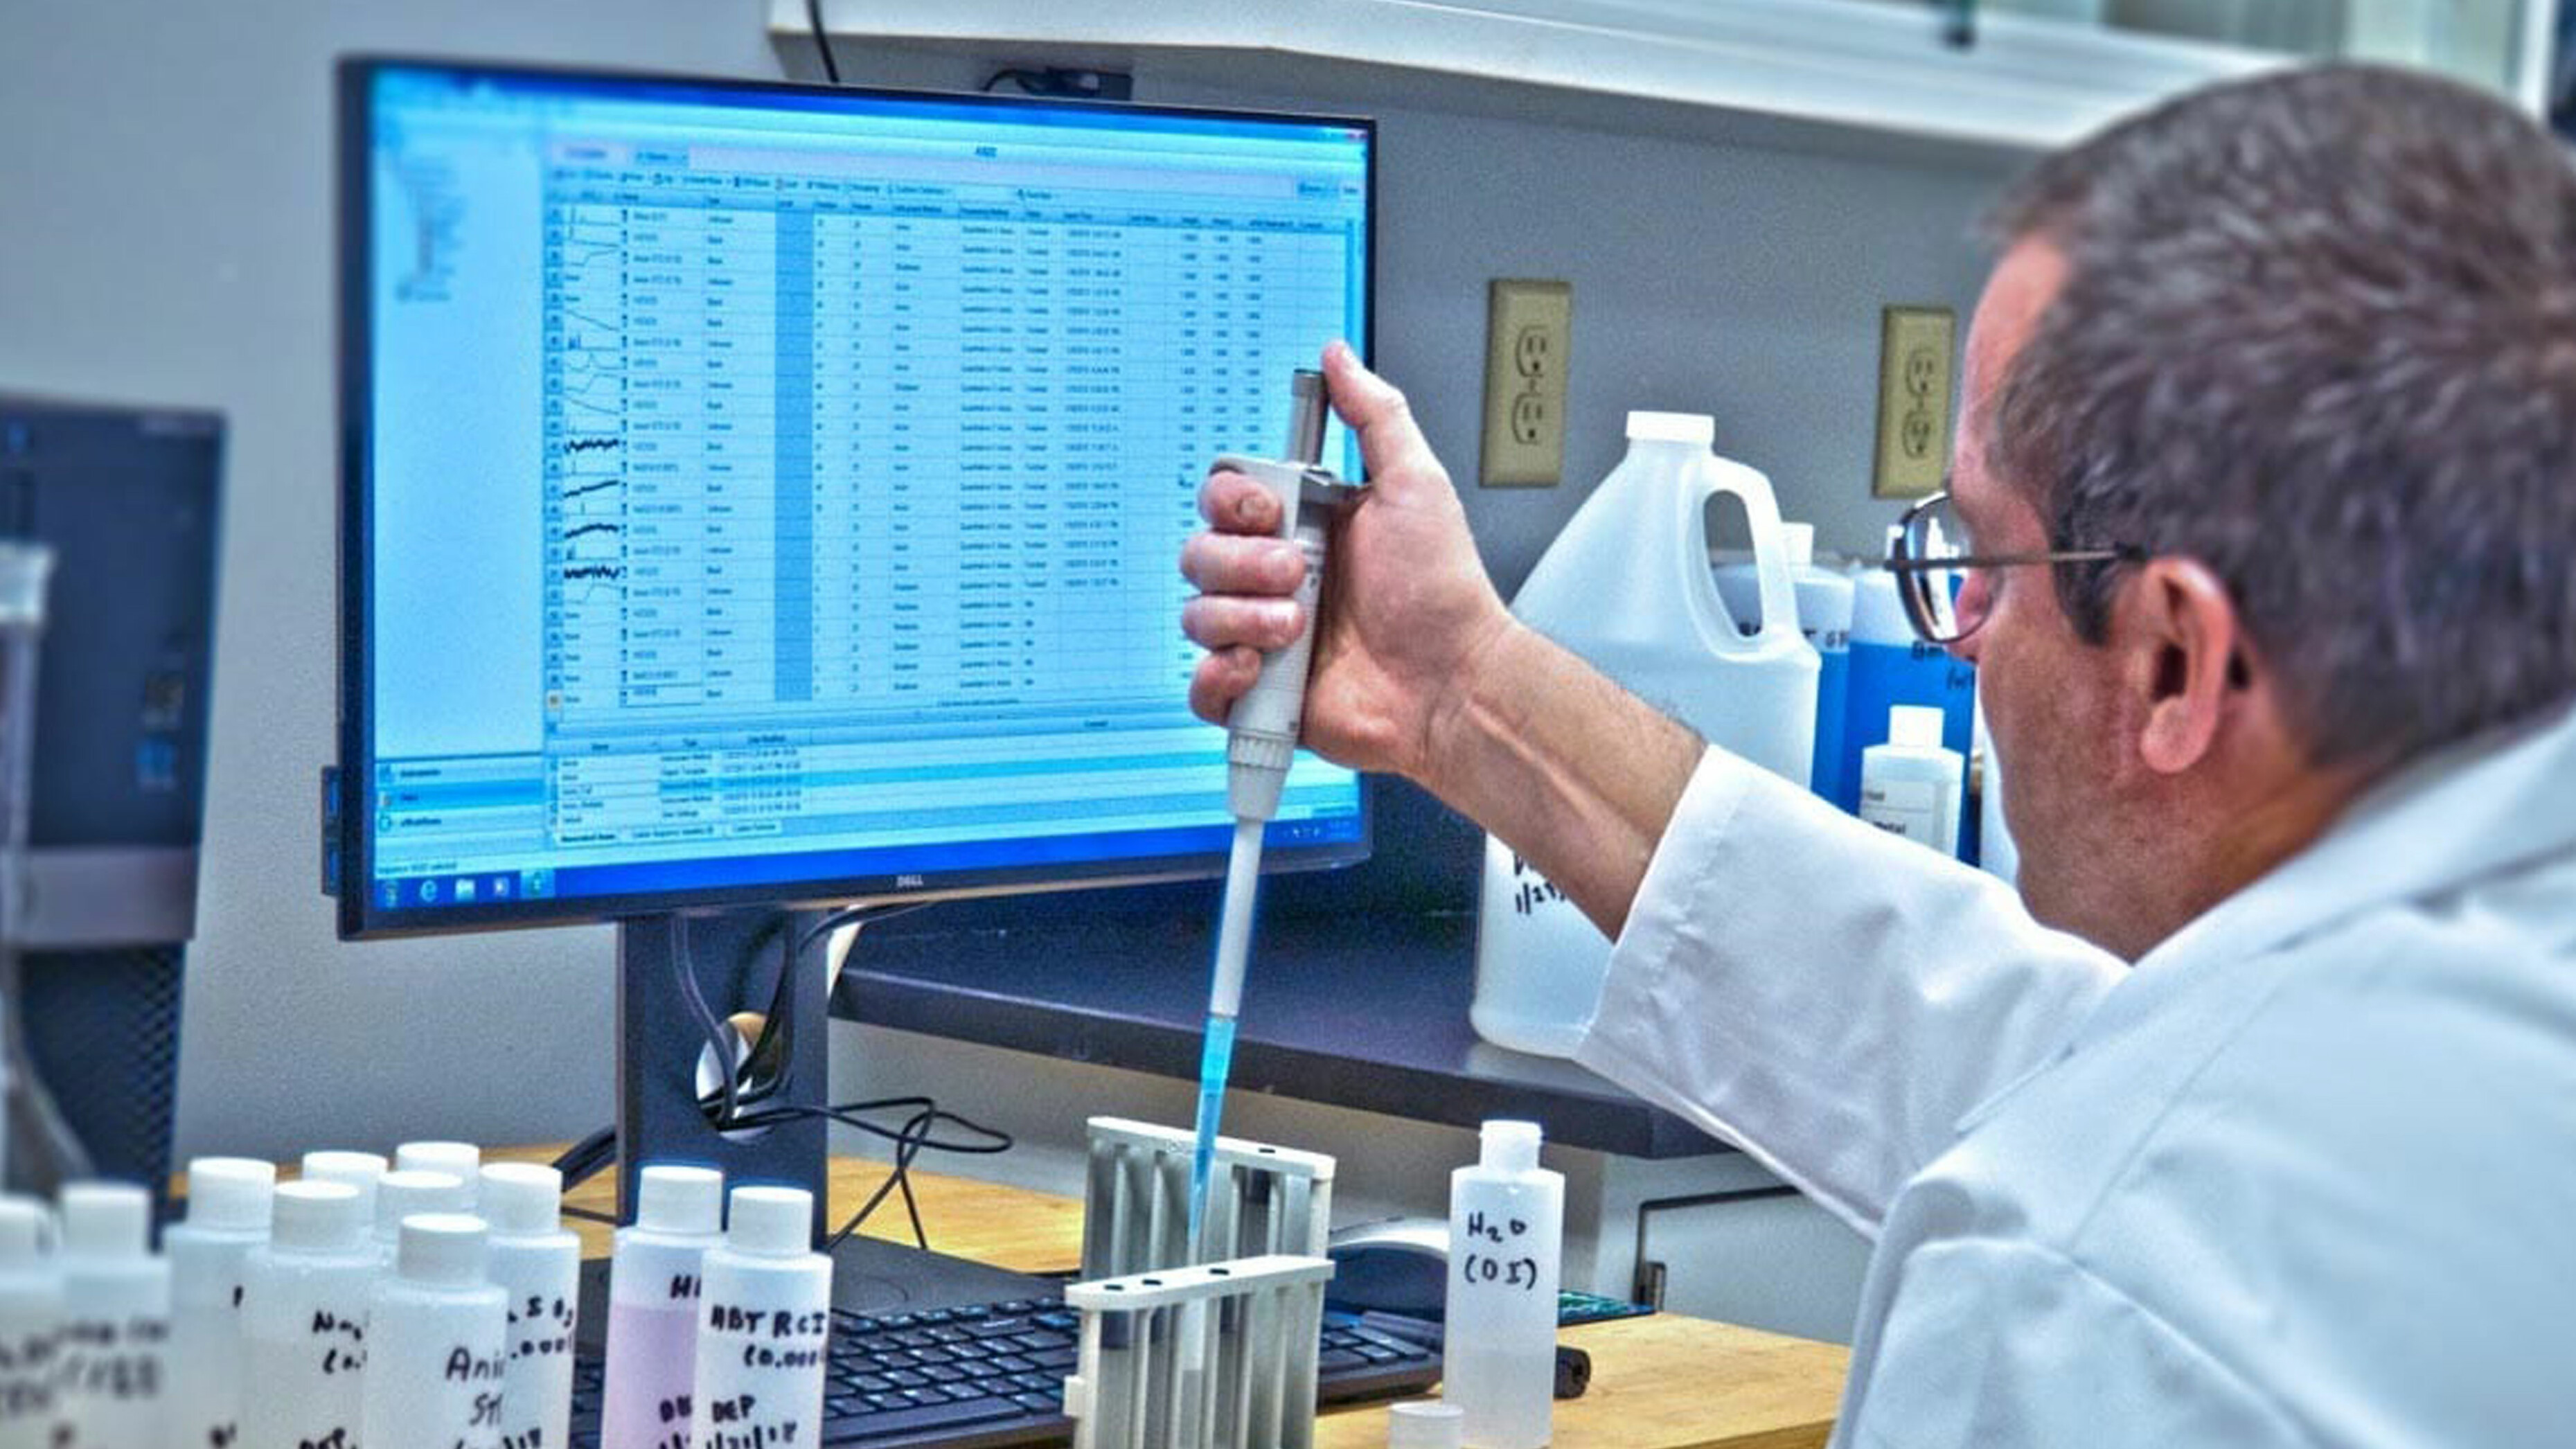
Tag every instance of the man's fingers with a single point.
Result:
(1235, 504)
(1229, 563)
(1217, 622)
(1391, 443)
(1222, 678)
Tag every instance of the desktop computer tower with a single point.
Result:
(127, 500)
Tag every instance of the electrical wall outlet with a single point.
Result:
(1914, 350)
(1529, 327)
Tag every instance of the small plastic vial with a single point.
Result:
(404, 1193)
(763, 1318)
(1498, 1347)
(31, 1313)
(304, 1319)
(653, 1281)
(116, 1317)
(228, 1213)
(460, 1160)
(435, 1333)
(1910, 785)
(537, 1266)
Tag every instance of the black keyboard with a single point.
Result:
(993, 1373)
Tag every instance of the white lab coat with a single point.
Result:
(2305, 1176)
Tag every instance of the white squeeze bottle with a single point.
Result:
(360, 1170)
(402, 1193)
(766, 1310)
(116, 1318)
(1498, 1349)
(435, 1330)
(228, 1210)
(31, 1312)
(460, 1160)
(536, 1264)
(1910, 785)
(1627, 586)
(653, 1280)
(304, 1320)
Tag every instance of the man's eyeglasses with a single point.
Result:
(1931, 556)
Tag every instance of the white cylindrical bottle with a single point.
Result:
(1498, 1349)
(401, 1194)
(360, 1170)
(653, 1280)
(304, 1320)
(31, 1315)
(763, 1317)
(435, 1333)
(228, 1208)
(460, 1160)
(116, 1318)
(537, 1266)
(1910, 785)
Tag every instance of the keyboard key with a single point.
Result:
(1337, 1358)
(1011, 1363)
(933, 1416)
(1056, 1358)
(1040, 1403)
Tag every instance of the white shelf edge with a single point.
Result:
(2027, 83)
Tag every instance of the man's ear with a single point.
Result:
(2191, 660)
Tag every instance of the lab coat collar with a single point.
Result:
(2504, 799)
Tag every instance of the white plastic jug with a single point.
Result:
(1627, 586)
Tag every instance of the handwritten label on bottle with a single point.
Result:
(1534, 890)
(541, 1327)
(760, 1370)
(1492, 1260)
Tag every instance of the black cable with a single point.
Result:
(822, 41)
(1014, 75)
(721, 1038)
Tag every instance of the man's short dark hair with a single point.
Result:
(2319, 332)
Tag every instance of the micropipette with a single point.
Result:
(1261, 735)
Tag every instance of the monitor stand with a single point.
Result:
(734, 956)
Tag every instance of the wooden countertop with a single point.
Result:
(1660, 1382)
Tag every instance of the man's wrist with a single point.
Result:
(1456, 725)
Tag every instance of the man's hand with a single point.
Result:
(1408, 611)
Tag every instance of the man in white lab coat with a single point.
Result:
(2268, 464)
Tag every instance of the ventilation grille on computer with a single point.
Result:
(1213, 1349)
(103, 1031)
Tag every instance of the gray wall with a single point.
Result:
(165, 236)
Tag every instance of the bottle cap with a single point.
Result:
(1510, 1146)
(443, 1248)
(1697, 429)
(106, 1220)
(231, 1193)
(24, 1226)
(357, 1169)
(401, 1195)
(1425, 1424)
(1798, 540)
(459, 1160)
(774, 1222)
(674, 1199)
(521, 1199)
(316, 1215)
(1914, 726)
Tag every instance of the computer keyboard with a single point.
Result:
(993, 1373)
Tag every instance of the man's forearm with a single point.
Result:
(1566, 767)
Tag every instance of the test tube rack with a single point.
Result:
(1136, 1213)
(1205, 1346)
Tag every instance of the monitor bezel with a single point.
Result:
(359, 916)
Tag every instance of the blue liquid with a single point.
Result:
(1216, 1059)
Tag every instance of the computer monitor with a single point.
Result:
(765, 495)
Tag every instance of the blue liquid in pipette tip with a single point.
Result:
(1216, 1059)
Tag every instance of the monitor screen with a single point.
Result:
(771, 493)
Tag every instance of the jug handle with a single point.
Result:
(1714, 476)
